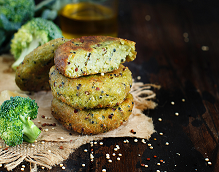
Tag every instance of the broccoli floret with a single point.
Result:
(34, 33)
(15, 120)
(13, 14)
(16, 12)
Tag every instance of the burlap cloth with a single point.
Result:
(55, 143)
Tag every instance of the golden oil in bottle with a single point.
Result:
(84, 19)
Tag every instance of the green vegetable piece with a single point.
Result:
(13, 14)
(15, 121)
(34, 33)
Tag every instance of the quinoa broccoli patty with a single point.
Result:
(92, 121)
(93, 54)
(93, 91)
(33, 73)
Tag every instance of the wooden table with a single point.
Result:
(178, 48)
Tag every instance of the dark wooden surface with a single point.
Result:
(171, 54)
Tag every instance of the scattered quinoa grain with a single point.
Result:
(91, 156)
(103, 170)
(146, 165)
(209, 163)
(176, 113)
(118, 158)
(206, 159)
(63, 167)
(83, 165)
(186, 39)
(147, 17)
(167, 143)
(132, 131)
(151, 147)
(159, 119)
(22, 169)
(205, 48)
(85, 150)
(185, 35)
(135, 140)
(138, 77)
(172, 103)
(143, 141)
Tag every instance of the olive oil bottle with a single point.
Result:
(85, 18)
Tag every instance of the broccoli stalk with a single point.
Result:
(34, 44)
(34, 33)
(30, 130)
(15, 121)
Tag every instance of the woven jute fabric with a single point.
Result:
(55, 143)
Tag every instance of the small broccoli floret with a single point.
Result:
(15, 121)
(34, 33)
(13, 14)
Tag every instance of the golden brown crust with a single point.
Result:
(87, 44)
(93, 91)
(93, 121)
(33, 73)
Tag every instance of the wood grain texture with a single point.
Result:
(177, 44)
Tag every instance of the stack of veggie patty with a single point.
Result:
(89, 84)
